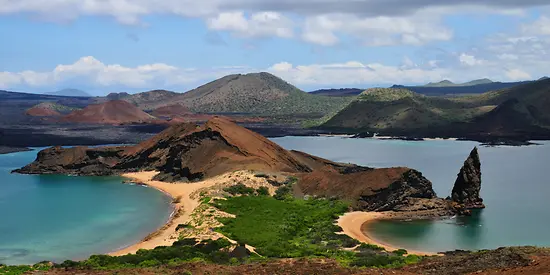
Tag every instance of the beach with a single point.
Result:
(184, 204)
(185, 200)
(183, 207)
(353, 224)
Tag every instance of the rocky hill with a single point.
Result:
(188, 152)
(48, 109)
(111, 112)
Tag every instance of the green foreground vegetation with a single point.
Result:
(277, 227)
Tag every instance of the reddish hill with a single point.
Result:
(111, 112)
(40, 111)
(172, 111)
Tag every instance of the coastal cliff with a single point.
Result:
(190, 152)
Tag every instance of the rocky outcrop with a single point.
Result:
(468, 183)
(189, 152)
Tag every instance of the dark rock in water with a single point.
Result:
(363, 135)
(468, 183)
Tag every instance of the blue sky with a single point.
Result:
(104, 46)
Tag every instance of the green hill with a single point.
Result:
(259, 94)
(390, 108)
(520, 112)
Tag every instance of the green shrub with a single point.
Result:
(262, 191)
(239, 189)
(284, 192)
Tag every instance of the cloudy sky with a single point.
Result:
(106, 46)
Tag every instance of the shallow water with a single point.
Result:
(515, 188)
(54, 218)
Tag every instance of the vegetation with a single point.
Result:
(186, 250)
(381, 108)
(262, 191)
(294, 228)
(239, 189)
(23, 269)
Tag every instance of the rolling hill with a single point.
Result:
(111, 112)
(390, 108)
(259, 94)
(517, 112)
(49, 109)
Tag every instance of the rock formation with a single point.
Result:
(189, 152)
(468, 183)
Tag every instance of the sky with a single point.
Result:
(103, 46)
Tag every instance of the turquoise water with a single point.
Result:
(56, 218)
(515, 188)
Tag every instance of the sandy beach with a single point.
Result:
(183, 207)
(352, 224)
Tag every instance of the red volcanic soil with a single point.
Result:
(41, 110)
(111, 112)
(171, 111)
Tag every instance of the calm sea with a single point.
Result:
(515, 188)
(56, 218)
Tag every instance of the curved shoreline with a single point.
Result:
(183, 207)
(353, 223)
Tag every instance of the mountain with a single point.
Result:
(189, 152)
(111, 112)
(391, 108)
(448, 83)
(256, 93)
(443, 83)
(338, 92)
(518, 113)
(70, 92)
(543, 78)
(48, 109)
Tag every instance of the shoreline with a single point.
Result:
(182, 205)
(353, 223)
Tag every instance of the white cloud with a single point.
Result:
(516, 74)
(417, 29)
(262, 24)
(539, 27)
(469, 60)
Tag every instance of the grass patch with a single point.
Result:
(294, 228)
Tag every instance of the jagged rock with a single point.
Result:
(468, 183)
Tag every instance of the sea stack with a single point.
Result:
(468, 183)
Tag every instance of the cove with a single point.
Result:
(515, 188)
(55, 218)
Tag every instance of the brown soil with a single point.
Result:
(42, 111)
(507, 261)
(111, 112)
(171, 111)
